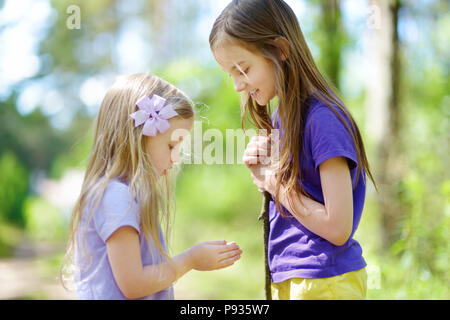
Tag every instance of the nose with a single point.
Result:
(239, 85)
(175, 157)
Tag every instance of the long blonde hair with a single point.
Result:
(119, 152)
(270, 28)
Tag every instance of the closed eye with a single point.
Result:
(244, 73)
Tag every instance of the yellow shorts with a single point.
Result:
(347, 286)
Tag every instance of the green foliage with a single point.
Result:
(68, 47)
(75, 157)
(422, 249)
(243, 280)
(331, 38)
(13, 188)
(229, 196)
(43, 221)
(220, 201)
(10, 236)
(30, 137)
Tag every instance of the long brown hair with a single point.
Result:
(271, 29)
(119, 152)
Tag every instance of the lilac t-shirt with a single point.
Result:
(293, 250)
(94, 278)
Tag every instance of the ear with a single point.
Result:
(283, 46)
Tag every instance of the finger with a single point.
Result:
(229, 261)
(216, 242)
(259, 138)
(257, 159)
(264, 142)
(230, 254)
(250, 160)
(257, 151)
(256, 139)
(233, 246)
(259, 142)
(229, 248)
(265, 160)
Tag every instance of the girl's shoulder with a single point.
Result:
(119, 186)
(114, 186)
(115, 209)
(116, 194)
(320, 114)
(317, 108)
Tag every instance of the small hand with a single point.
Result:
(263, 178)
(258, 151)
(257, 157)
(212, 255)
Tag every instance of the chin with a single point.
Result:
(160, 174)
(262, 102)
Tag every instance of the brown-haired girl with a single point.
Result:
(317, 187)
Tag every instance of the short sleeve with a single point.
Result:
(330, 138)
(116, 210)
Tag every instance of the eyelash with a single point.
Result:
(171, 147)
(245, 71)
(241, 73)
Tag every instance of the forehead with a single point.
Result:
(228, 55)
(179, 129)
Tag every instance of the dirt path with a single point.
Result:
(27, 274)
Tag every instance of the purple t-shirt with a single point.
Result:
(293, 250)
(94, 278)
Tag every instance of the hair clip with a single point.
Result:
(154, 114)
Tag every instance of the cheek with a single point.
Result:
(271, 84)
(164, 158)
(156, 156)
(263, 78)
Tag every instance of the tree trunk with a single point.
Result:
(332, 43)
(384, 113)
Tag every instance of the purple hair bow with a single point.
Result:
(154, 114)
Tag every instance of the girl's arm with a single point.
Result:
(136, 280)
(334, 220)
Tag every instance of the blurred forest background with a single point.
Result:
(390, 60)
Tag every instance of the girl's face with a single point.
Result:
(164, 148)
(252, 74)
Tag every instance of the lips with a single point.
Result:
(166, 171)
(254, 93)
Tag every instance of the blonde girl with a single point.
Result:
(316, 190)
(117, 244)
